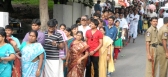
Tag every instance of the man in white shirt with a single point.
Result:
(123, 21)
(134, 25)
(160, 22)
(84, 26)
(165, 14)
(151, 14)
(124, 26)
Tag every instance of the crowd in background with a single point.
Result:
(88, 48)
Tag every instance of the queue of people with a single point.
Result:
(89, 48)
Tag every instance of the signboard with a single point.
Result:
(4, 19)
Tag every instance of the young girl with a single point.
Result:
(118, 42)
(62, 27)
(145, 23)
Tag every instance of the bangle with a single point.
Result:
(38, 69)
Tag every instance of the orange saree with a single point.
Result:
(16, 72)
(76, 52)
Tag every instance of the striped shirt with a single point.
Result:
(62, 52)
(52, 52)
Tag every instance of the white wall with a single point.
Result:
(4, 19)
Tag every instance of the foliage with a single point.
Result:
(89, 4)
(33, 2)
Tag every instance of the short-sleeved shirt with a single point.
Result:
(111, 32)
(17, 41)
(52, 52)
(40, 38)
(151, 35)
(80, 28)
(93, 40)
(123, 23)
(163, 33)
(62, 51)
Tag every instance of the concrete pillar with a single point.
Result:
(63, 14)
(86, 10)
(76, 11)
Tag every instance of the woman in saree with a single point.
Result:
(32, 56)
(69, 41)
(77, 56)
(106, 64)
(7, 55)
(118, 42)
(69, 36)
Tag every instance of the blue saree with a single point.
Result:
(6, 67)
(29, 53)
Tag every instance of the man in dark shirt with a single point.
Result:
(53, 42)
(97, 7)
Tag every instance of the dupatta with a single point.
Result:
(108, 42)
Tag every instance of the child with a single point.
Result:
(145, 24)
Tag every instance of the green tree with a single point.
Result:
(6, 6)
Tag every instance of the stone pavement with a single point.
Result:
(132, 59)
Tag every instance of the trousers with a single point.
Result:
(162, 62)
(95, 61)
(152, 67)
